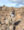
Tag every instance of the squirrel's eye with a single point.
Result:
(0, 22)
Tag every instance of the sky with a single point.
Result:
(12, 3)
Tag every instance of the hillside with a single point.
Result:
(10, 15)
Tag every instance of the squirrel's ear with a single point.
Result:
(16, 23)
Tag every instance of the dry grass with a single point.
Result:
(5, 18)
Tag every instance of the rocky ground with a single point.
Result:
(11, 15)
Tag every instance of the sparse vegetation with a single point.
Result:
(8, 23)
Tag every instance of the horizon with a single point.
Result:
(12, 3)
